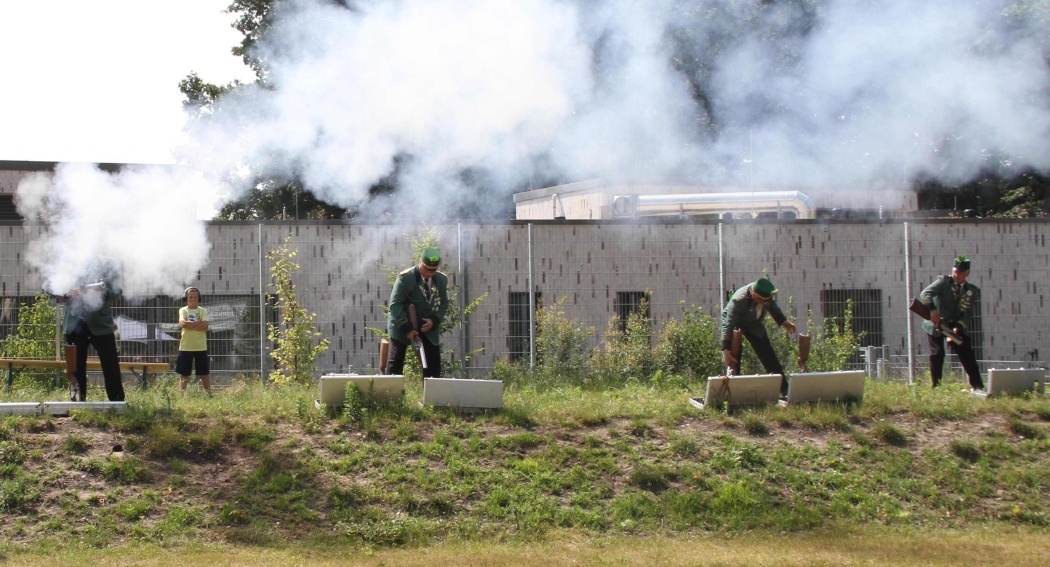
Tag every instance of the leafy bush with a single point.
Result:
(625, 354)
(690, 346)
(297, 342)
(33, 338)
(561, 347)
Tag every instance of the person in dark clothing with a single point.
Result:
(745, 310)
(418, 303)
(89, 321)
(950, 299)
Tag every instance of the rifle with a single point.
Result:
(418, 343)
(803, 351)
(734, 350)
(384, 355)
(921, 310)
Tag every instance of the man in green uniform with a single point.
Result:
(745, 310)
(89, 321)
(418, 304)
(950, 300)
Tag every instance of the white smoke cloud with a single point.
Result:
(884, 91)
(869, 95)
(142, 222)
(454, 83)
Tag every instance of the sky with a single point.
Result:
(98, 81)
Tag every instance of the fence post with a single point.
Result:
(721, 270)
(907, 300)
(262, 313)
(532, 306)
(462, 303)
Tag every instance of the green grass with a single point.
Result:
(255, 466)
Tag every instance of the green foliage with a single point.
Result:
(625, 354)
(18, 492)
(561, 346)
(271, 199)
(690, 346)
(34, 338)
(298, 343)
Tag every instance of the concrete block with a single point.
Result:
(63, 408)
(461, 393)
(19, 408)
(383, 387)
(826, 386)
(1003, 381)
(746, 390)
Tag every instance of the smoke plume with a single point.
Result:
(833, 94)
(138, 226)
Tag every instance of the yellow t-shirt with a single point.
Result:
(193, 341)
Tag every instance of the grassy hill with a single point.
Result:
(261, 466)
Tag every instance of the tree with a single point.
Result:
(33, 338)
(297, 341)
(272, 200)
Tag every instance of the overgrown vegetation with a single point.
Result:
(297, 342)
(257, 465)
(34, 337)
(686, 350)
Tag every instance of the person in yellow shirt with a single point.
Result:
(193, 348)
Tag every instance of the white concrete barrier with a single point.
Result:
(383, 388)
(19, 408)
(463, 393)
(63, 408)
(1006, 381)
(807, 387)
(746, 390)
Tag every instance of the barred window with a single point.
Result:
(630, 302)
(518, 346)
(866, 318)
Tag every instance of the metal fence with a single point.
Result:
(600, 271)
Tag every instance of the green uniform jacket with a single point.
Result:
(953, 302)
(408, 290)
(99, 320)
(742, 312)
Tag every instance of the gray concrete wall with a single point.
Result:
(345, 281)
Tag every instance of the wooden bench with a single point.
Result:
(93, 363)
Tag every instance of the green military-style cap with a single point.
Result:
(431, 257)
(962, 263)
(764, 288)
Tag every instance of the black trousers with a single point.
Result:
(396, 363)
(768, 357)
(106, 347)
(966, 357)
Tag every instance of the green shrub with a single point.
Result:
(625, 354)
(690, 346)
(561, 348)
(33, 338)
